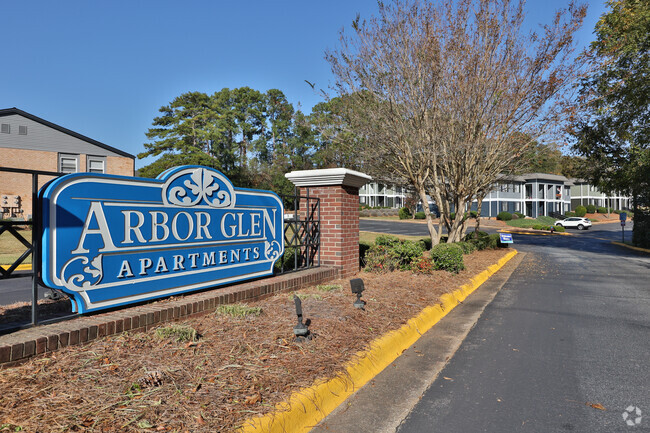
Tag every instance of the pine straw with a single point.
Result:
(240, 367)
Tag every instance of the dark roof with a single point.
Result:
(14, 110)
(545, 176)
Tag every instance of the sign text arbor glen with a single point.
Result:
(111, 240)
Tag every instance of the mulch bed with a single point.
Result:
(238, 368)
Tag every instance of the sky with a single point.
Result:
(104, 68)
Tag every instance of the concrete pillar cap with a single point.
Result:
(328, 176)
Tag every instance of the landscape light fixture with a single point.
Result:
(301, 330)
(357, 287)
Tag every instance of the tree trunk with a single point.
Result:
(435, 239)
(479, 208)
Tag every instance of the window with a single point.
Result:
(68, 163)
(22, 130)
(5, 128)
(95, 164)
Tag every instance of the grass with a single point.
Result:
(328, 287)
(239, 310)
(11, 248)
(369, 237)
(304, 296)
(528, 223)
(178, 333)
(386, 218)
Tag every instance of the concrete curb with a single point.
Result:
(307, 407)
(534, 233)
(621, 244)
(18, 268)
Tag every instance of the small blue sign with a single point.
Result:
(622, 216)
(506, 238)
(114, 240)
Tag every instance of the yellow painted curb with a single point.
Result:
(535, 233)
(18, 268)
(621, 244)
(309, 406)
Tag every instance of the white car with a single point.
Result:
(576, 222)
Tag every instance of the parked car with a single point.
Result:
(574, 222)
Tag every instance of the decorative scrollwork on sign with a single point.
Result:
(272, 250)
(80, 278)
(198, 186)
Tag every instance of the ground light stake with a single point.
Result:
(358, 287)
(301, 330)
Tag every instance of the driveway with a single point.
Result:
(563, 346)
(401, 228)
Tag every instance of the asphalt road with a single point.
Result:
(401, 228)
(566, 335)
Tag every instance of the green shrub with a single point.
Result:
(406, 252)
(471, 235)
(177, 332)
(570, 214)
(591, 208)
(537, 227)
(480, 244)
(452, 216)
(420, 215)
(559, 229)
(423, 265)
(493, 241)
(381, 258)
(603, 209)
(520, 215)
(387, 240)
(287, 260)
(468, 247)
(426, 243)
(617, 212)
(404, 213)
(448, 257)
(473, 214)
(581, 211)
(504, 216)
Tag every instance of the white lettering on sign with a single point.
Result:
(97, 212)
(180, 226)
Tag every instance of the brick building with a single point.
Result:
(29, 142)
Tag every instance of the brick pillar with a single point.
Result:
(338, 191)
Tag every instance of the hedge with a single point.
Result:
(504, 216)
(448, 257)
(404, 213)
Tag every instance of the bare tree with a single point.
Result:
(442, 93)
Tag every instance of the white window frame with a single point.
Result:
(68, 156)
(90, 159)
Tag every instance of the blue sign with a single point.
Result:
(622, 216)
(506, 238)
(114, 240)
